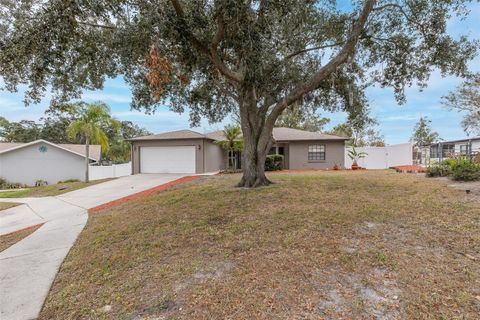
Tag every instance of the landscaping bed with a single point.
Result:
(315, 245)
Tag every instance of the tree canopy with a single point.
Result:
(255, 56)
(466, 99)
(423, 135)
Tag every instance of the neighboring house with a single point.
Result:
(27, 163)
(447, 149)
(187, 151)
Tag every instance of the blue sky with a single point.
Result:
(395, 122)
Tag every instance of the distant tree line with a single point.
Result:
(53, 127)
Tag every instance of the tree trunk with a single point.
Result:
(257, 140)
(87, 159)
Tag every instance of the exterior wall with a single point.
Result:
(27, 165)
(298, 155)
(199, 151)
(215, 157)
(383, 157)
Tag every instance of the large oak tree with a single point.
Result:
(216, 56)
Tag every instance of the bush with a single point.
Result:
(69, 181)
(438, 170)
(460, 169)
(4, 184)
(466, 171)
(274, 162)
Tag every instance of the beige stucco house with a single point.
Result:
(27, 163)
(187, 151)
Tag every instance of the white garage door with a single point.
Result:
(175, 159)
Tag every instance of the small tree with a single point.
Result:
(89, 126)
(233, 143)
(355, 155)
(423, 134)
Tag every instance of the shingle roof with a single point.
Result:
(287, 134)
(279, 134)
(172, 135)
(95, 149)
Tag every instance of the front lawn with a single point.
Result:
(315, 245)
(51, 190)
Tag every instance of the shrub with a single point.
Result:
(274, 162)
(466, 171)
(438, 170)
(69, 181)
(40, 183)
(4, 184)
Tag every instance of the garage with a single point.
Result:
(168, 159)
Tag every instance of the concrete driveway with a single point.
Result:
(28, 268)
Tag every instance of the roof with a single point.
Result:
(78, 149)
(172, 135)
(279, 134)
(287, 134)
(460, 140)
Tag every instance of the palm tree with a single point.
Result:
(89, 127)
(233, 143)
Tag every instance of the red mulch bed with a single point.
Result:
(410, 169)
(142, 194)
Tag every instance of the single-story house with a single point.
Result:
(439, 151)
(187, 151)
(29, 162)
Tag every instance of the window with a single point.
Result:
(464, 149)
(448, 150)
(316, 152)
(434, 151)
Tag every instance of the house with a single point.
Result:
(27, 163)
(447, 149)
(187, 151)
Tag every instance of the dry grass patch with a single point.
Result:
(319, 245)
(8, 240)
(7, 205)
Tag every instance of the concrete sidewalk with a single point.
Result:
(28, 268)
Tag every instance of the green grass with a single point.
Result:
(319, 245)
(51, 190)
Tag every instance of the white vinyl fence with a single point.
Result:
(383, 157)
(113, 171)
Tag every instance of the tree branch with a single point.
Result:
(326, 70)
(291, 55)
(209, 52)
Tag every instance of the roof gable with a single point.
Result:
(78, 149)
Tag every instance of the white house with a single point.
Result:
(446, 149)
(27, 163)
